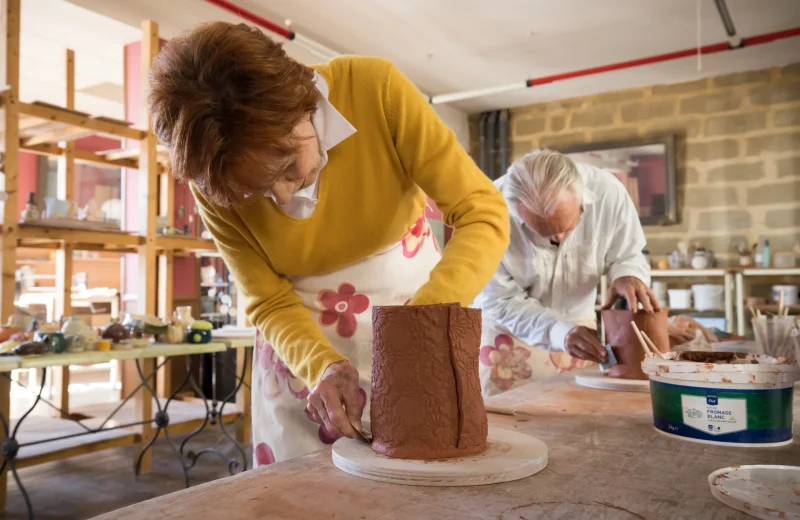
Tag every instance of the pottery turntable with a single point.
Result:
(427, 419)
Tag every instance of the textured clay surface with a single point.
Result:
(426, 393)
(622, 338)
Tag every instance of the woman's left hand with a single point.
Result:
(335, 402)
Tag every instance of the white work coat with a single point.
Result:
(541, 291)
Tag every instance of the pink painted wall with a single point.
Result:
(27, 179)
(185, 269)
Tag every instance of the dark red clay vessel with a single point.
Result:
(624, 343)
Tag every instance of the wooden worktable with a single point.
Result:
(606, 461)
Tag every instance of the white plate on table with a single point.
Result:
(766, 492)
(602, 381)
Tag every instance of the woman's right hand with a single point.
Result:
(335, 402)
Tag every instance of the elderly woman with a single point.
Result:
(313, 182)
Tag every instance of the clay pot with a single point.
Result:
(31, 348)
(6, 332)
(175, 333)
(73, 326)
(624, 343)
(116, 332)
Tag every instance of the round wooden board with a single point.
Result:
(511, 456)
(601, 381)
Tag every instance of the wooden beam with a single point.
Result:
(166, 262)
(63, 134)
(72, 118)
(65, 182)
(8, 240)
(77, 236)
(148, 210)
(184, 243)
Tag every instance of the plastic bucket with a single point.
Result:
(680, 298)
(708, 297)
(744, 404)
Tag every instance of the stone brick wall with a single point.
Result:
(737, 147)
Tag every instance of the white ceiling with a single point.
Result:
(48, 28)
(443, 45)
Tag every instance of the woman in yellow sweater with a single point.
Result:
(313, 182)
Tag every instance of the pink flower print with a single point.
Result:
(342, 306)
(325, 435)
(263, 455)
(509, 363)
(415, 237)
(276, 375)
(565, 363)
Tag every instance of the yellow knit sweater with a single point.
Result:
(371, 191)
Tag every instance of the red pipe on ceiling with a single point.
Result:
(253, 17)
(458, 96)
(707, 49)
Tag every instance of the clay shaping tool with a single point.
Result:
(612, 359)
(652, 345)
(645, 346)
(364, 432)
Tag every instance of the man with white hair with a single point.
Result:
(570, 224)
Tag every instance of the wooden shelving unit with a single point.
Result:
(45, 129)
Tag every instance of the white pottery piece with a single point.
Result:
(766, 492)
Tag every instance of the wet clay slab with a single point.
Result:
(426, 397)
(624, 343)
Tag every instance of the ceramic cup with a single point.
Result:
(57, 208)
(56, 341)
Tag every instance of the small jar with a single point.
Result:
(700, 259)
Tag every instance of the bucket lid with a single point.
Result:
(748, 364)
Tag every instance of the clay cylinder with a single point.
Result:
(426, 394)
(624, 343)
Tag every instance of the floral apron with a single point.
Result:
(341, 303)
(507, 362)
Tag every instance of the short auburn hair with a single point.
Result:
(224, 100)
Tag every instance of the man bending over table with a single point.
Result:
(570, 224)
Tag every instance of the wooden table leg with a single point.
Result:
(164, 378)
(5, 410)
(243, 426)
(61, 384)
(144, 413)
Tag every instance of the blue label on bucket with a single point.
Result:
(712, 399)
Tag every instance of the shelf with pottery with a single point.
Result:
(753, 273)
(53, 130)
(37, 234)
(688, 273)
(771, 271)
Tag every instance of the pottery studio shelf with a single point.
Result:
(179, 243)
(44, 237)
(687, 273)
(81, 239)
(772, 308)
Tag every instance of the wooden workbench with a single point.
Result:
(606, 461)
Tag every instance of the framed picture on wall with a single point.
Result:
(647, 169)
